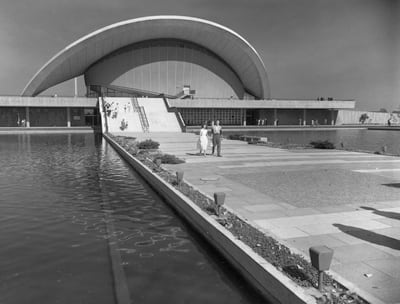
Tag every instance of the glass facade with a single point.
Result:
(12, 116)
(197, 116)
(48, 117)
(166, 66)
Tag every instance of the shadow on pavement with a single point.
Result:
(369, 236)
(393, 185)
(393, 215)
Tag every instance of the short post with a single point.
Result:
(321, 258)
(179, 177)
(158, 162)
(219, 199)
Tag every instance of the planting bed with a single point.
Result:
(292, 265)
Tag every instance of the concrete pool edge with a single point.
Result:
(273, 285)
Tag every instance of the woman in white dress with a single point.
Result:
(203, 140)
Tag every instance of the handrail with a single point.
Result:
(181, 121)
(143, 118)
(141, 113)
(135, 104)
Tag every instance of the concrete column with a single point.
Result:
(244, 117)
(304, 117)
(28, 123)
(68, 117)
(275, 116)
(332, 117)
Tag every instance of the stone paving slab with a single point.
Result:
(379, 281)
(347, 239)
(359, 253)
(310, 197)
(389, 266)
(263, 208)
(304, 243)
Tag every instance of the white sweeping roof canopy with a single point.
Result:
(77, 57)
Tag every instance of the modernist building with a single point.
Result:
(202, 70)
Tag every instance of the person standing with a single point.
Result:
(217, 137)
(212, 137)
(203, 140)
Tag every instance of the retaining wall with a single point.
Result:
(273, 285)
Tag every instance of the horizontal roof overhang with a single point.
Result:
(261, 104)
(46, 101)
(228, 45)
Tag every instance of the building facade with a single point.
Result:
(202, 69)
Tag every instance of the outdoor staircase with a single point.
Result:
(139, 115)
(142, 115)
(120, 115)
(157, 116)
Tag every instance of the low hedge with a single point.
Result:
(322, 144)
(171, 159)
(148, 144)
(235, 136)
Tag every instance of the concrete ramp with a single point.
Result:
(158, 117)
(120, 115)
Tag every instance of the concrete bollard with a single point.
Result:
(219, 199)
(321, 258)
(179, 177)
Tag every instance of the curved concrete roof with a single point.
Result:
(79, 55)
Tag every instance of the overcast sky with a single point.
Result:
(346, 49)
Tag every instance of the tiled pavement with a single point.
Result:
(345, 200)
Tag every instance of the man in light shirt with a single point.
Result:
(217, 136)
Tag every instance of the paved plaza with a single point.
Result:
(348, 201)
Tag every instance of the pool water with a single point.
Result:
(354, 139)
(78, 225)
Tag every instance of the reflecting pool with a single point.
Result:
(78, 225)
(356, 139)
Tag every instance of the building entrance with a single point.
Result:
(252, 116)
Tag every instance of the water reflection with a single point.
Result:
(358, 139)
(69, 204)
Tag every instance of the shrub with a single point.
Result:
(252, 139)
(235, 136)
(148, 144)
(124, 125)
(322, 144)
(132, 148)
(171, 159)
(363, 118)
